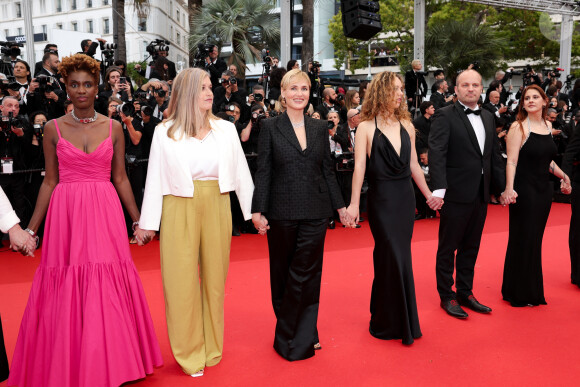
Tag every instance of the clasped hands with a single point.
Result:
(21, 241)
(508, 196)
(143, 236)
(565, 185)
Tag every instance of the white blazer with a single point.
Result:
(169, 174)
(8, 218)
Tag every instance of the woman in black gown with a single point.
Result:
(530, 152)
(387, 137)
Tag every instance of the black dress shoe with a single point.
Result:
(419, 216)
(331, 224)
(235, 231)
(472, 303)
(453, 309)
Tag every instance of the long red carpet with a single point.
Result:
(513, 346)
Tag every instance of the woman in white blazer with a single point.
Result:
(19, 240)
(196, 159)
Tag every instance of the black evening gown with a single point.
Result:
(3, 358)
(391, 214)
(522, 275)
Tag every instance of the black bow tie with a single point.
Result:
(469, 111)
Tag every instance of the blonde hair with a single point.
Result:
(183, 113)
(415, 63)
(294, 76)
(378, 96)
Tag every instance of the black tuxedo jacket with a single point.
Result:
(342, 136)
(215, 71)
(291, 184)
(56, 76)
(571, 158)
(411, 84)
(455, 159)
(438, 100)
(219, 98)
(423, 127)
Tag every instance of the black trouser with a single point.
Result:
(296, 248)
(574, 234)
(460, 230)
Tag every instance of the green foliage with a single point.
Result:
(135, 76)
(454, 45)
(237, 21)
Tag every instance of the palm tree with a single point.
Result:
(307, 32)
(249, 25)
(118, 7)
(194, 7)
(454, 45)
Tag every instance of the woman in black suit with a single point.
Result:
(296, 191)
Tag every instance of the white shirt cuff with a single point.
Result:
(439, 193)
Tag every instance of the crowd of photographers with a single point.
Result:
(31, 98)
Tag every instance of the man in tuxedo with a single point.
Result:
(437, 74)
(50, 47)
(216, 66)
(415, 84)
(423, 125)
(328, 103)
(465, 166)
(438, 98)
(345, 135)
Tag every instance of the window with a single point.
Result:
(142, 24)
(74, 26)
(73, 4)
(44, 29)
(105, 2)
(171, 33)
(178, 19)
(89, 3)
(178, 39)
(90, 26)
(58, 5)
(18, 10)
(19, 31)
(6, 32)
(59, 26)
(106, 26)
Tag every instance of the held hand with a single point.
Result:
(352, 212)
(345, 218)
(260, 223)
(508, 197)
(435, 203)
(565, 185)
(143, 236)
(22, 241)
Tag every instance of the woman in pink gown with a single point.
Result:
(87, 322)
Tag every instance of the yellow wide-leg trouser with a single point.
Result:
(195, 244)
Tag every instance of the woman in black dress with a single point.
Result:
(387, 136)
(530, 153)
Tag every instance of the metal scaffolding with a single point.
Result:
(567, 8)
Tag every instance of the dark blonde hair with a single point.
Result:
(183, 112)
(294, 76)
(348, 104)
(379, 93)
(79, 62)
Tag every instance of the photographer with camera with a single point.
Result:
(158, 96)
(227, 93)
(114, 85)
(415, 85)
(440, 98)
(34, 153)
(50, 47)
(17, 85)
(328, 103)
(14, 134)
(89, 48)
(215, 65)
(45, 91)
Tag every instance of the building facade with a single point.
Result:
(67, 22)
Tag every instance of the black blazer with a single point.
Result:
(291, 184)
(342, 136)
(455, 159)
(411, 84)
(571, 158)
(423, 126)
(438, 100)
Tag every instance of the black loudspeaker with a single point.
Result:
(360, 19)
